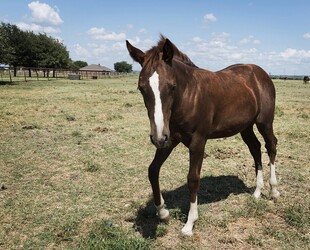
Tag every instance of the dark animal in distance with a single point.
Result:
(306, 79)
(189, 105)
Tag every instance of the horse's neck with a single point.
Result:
(190, 78)
(183, 73)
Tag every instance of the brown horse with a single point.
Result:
(191, 105)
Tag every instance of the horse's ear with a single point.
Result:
(168, 51)
(135, 53)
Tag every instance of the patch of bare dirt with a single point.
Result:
(101, 129)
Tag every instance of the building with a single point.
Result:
(94, 70)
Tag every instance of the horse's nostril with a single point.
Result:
(152, 139)
(160, 142)
(166, 138)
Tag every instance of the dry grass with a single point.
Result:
(74, 155)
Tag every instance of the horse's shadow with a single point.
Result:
(212, 189)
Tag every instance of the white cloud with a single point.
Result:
(209, 18)
(306, 35)
(197, 39)
(222, 35)
(102, 34)
(38, 28)
(100, 49)
(249, 40)
(135, 40)
(96, 31)
(244, 41)
(213, 53)
(106, 53)
(80, 52)
(295, 54)
(220, 51)
(217, 43)
(142, 44)
(118, 46)
(237, 56)
(114, 36)
(43, 13)
(142, 31)
(44, 19)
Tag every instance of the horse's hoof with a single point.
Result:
(275, 194)
(257, 194)
(165, 219)
(163, 214)
(187, 231)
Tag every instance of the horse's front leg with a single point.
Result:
(193, 180)
(160, 156)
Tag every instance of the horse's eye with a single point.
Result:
(173, 86)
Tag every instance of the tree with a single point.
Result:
(6, 50)
(26, 49)
(21, 46)
(123, 67)
(79, 64)
(50, 53)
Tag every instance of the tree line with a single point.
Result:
(26, 49)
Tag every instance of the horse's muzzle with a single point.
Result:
(162, 142)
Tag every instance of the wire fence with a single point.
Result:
(10, 74)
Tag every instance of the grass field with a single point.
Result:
(73, 174)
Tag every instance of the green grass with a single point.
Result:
(73, 174)
(104, 235)
(298, 216)
(92, 167)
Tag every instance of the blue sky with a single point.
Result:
(274, 34)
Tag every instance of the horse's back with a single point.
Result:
(252, 74)
(261, 84)
(258, 82)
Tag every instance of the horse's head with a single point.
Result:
(157, 84)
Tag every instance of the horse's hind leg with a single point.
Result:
(254, 146)
(271, 143)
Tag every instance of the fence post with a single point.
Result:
(25, 75)
(10, 75)
(37, 74)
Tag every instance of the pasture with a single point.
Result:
(73, 174)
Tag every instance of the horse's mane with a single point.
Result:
(152, 55)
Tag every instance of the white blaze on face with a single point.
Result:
(158, 112)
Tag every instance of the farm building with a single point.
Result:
(95, 70)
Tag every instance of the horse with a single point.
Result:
(189, 105)
(306, 79)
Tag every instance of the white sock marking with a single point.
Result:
(259, 184)
(192, 217)
(162, 212)
(158, 113)
(273, 181)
